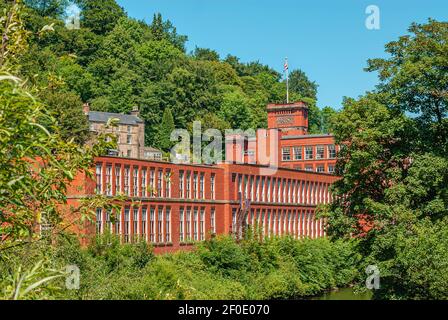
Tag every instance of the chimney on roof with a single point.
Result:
(135, 111)
(86, 108)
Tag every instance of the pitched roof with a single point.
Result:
(151, 149)
(96, 116)
(307, 136)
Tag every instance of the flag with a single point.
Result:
(286, 65)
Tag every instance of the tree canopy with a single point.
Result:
(115, 62)
(393, 193)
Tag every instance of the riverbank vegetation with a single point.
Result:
(218, 269)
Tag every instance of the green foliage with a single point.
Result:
(166, 127)
(115, 62)
(301, 85)
(393, 193)
(415, 79)
(51, 8)
(100, 16)
(218, 269)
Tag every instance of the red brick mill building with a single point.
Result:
(172, 205)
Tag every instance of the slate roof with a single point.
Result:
(103, 117)
(307, 136)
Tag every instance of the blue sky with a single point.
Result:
(327, 39)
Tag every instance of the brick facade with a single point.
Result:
(174, 205)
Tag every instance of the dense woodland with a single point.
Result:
(390, 207)
(115, 62)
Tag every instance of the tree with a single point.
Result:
(100, 16)
(51, 8)
(301, 85)
(415, 79)
(37, 163)
(165, 130)
(66, 107)
(205, 54)
(393, 193)
(165, 30)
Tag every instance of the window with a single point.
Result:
(297, 153)
(284, 186)
(202, 224)
(99, 220)
(188, 226)
(289, 190)
(168, 225)
(109, 180)
(330, 168)
(320, 169)
(269, 222)
(263, 223)
(195, 185)
(246, 187)
(129, 139)
(143, 222)
(263, 195)
(284, 223)
(268, 187)
(135, 224)
(126, 180)
(212, 186)
(277, 223)
(273, 222)
(240, 186)
(279, 191)
(286, 152)
(320, 152)
(309, 153)
(213, 221)
(108, 222)
(201, 186)
(188, 194)
(181, 225)
(99, 178)
(289, 222)
(252, 190)
(234, 230)
(118, 223)
(117, 180)
(159, 183)
(129, 129)
(143, 187)
(181, 184)
(195, 224)
(129, 153)
(126, 224)
(168, 183)
(152, 226)
(160, 225)
(257, 188)
(135, 182)
(309, 168)
(332, 151)
(151, 183)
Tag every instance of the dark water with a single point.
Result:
(344, 294)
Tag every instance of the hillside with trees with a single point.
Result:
(115, 62)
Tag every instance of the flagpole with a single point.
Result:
(287, 80)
